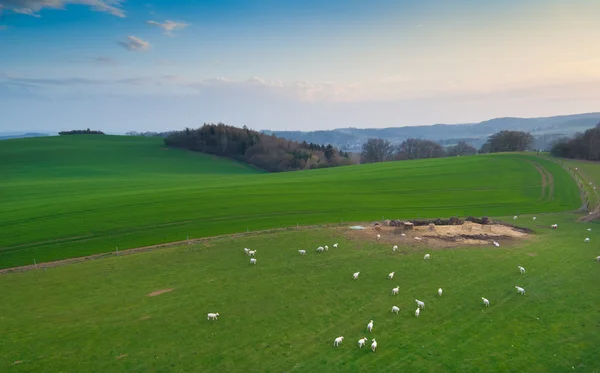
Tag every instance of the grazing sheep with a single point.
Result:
(378, 237)
(355, 275)
(370, 326)
(520, 290)
(515, 217)
(426, 257)
(252, 260)
(598, 258)
(212, 316)
(586, 240)
(402, 234)
(554, 226)
(335, 245)
(374, 345)
(521, 269)
(326, 248)
(534, 218)
(418, 238)
(485, 302)
(246, 251)
(420, 304)
(440, 292)
(362, 342)
(395, 248)
(396, 290)
(417, 312)
(395, 309)
(302, 252)
(589, 229)
(320, 249)
(251, 252)
(496, 244)
(391, 275)
(337, 341)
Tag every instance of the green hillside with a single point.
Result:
(71, 196)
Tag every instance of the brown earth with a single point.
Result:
(159, 292)
(443, 236)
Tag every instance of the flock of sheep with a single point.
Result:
(395, 291)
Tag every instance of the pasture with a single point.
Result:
(283, 314)
(73, 196)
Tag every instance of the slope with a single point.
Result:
(69, 197)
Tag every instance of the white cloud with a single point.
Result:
(169, 26)
(32, 7)
(135, 44)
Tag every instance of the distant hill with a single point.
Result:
(545, 130)
(20, 135)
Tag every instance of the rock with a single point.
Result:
(408, 226)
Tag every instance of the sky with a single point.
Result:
(157, 65)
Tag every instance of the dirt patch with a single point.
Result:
(532, 254)
(159, 292)
(17, 362)
(121, 356)
(444, 236)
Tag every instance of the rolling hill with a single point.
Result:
(545, 130)
(73, 196)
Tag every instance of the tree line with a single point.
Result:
(268, 152)
(379, 150)
(81, 132)
(584, 145)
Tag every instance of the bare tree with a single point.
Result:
(461, 148)
(376, 150)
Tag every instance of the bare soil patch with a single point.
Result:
(442, 236)
(159, 292)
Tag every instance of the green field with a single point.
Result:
(589, 171)
(72, 196)
(283, 314)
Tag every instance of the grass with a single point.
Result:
(589, 171)
(283, 314)
(72, 196)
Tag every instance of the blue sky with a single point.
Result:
(290, 64)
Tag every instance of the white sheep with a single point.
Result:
(374, 345)
(252, 260)
(391, 275)
(426, 257)
(362, 342)
(534, 218)
(589, 229)
(403, 234)
(251, 252)
(417, 312)
(246, 250)
(496, 244)
(302, 252)
(418, 238)
(337, 341)
(515, 217)
(521, 269)
(378, 237)
(355, 275)
(485, 302)
(326, 248)
(520, 290)
(320, 249)
(212, 316)
(395, 247)
(395, 309)
(420, 304)
(370, 326)
(554, 226)
(396, 290)
(598, 258)
(587, 240)
(440, 292)
(335, 245)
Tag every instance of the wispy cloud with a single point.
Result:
(169, 26)
(32, 7)
(135, 44)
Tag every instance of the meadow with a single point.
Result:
(72, 196)
(283, 314)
